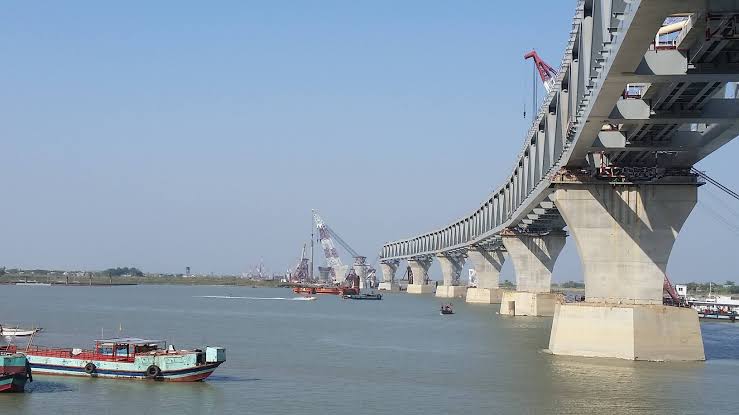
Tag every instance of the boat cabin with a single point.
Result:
(125, 348)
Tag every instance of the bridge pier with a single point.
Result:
(420, 269)
(533, 258)
(388, 276)
(624, 234)
(451, 268)
(487, 266)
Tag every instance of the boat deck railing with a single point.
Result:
(76, 354)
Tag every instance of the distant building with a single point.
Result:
(682, 290)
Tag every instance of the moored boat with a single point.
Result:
(127, 358)
(363, 296)
(14, 372)
(335, 290)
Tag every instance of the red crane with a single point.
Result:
(546, 72)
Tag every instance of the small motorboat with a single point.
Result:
(446, 309)
(363, 296)
(17, 331)
(311, 298)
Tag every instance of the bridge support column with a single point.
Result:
(388, 276)
(451, 268)
(533, 258)
(487, 265)
(624, 234)
(420, 270)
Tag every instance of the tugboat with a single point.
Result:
(446, 309)
(127, 358)
(14, 371)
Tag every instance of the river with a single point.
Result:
(396, 356)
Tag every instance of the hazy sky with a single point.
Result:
(173, 133)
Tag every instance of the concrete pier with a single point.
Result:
(451, 268)
(487, 265)
(420, 268)
(388, 270)
(624, 234)
(533, 258)
(521, 303)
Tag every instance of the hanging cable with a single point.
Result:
(724, 204)
(714, 182)
(717, 216)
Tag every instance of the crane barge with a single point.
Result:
(341, 279)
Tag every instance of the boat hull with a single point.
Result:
(13, 373)
(117, 370)
(12, 383)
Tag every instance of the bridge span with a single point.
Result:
(645, 90)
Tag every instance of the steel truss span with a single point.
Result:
(645, 90)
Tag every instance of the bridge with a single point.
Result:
(644, 91)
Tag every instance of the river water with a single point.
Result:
(396, 356)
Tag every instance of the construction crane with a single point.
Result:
(546, 72)
(301, 272)
(326, 236)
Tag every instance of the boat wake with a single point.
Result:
(230, 297)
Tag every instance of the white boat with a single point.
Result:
(17, 332)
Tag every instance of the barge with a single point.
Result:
(127, 358)
(326, 290)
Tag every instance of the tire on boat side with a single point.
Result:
(153, 372)
(90, 368)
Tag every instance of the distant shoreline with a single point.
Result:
(98, 281)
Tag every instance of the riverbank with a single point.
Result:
(145, 280)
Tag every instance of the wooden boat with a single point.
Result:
(363, 296)
(446, 309)
(14, 372)
(128, 358)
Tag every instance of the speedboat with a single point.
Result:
(446, 309)
(17, 332)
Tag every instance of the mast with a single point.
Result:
(312, 238)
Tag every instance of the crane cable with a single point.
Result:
(733, 227)
(714, 182)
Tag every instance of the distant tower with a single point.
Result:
(187, 271)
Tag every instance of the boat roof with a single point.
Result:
(129, 340)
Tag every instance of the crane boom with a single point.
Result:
(327, 243)
(546, 72)
(341, 242)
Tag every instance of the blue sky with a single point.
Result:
(166, 134)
